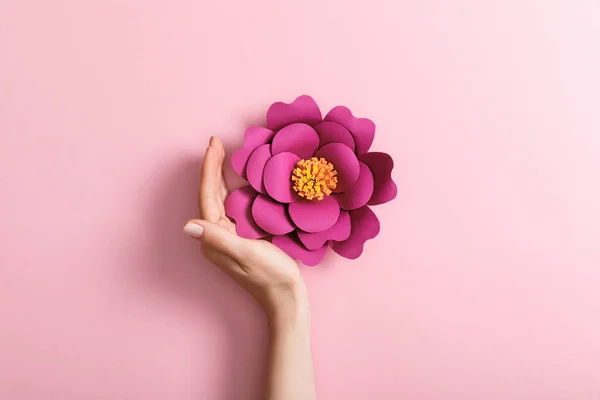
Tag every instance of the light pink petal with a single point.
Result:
(238, 206)
(340, 231)
(292, 246)
(277, 177)
(365, 226)
(360, 193)
(303, 109)
(256, 166)
(330, 132)
(345, 163)
(314, 215)
(254, 137)
(300, 139)
(381, 165)
(362, 129)
(271, 216)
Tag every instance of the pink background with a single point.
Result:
(483, 284)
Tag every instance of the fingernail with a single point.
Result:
(193, 230)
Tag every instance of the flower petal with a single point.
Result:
(303, 109)
(340, 231)
(300, 139)
(360, 193)
(315, 215)
(362, 129)
(330, 132)
(381, 165)
(238, 207)
(256, 166)
(254, 137)
(277, 177)
(345, 163)
(271, 216)
(365, 226)
(292, 246)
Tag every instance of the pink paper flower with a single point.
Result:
(312, 180)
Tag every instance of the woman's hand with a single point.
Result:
(258, 266)
(268, 274)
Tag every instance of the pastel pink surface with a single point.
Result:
(303, 109)
(256, 166)
(359, 194)
(381, 165)
(345, 163)
(365, 226)
(300, 139)
(254, 137)
(292, 246)
(339, 231)
(278, 177)
(271, 216)
(362, 129)
(330, 132)
(482, 284)
(314, 215)
(238, 207)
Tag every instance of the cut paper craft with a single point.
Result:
(381, 165)
(362, 129)
(365, 226)
(315, 216)
(338, 232)
(300, 139)
(256, 166)
(345, 162)
(304, 109)
(311, 180)
(271, 215)
(254, 137)
(294, 248)
(238, 207)
(330, 132)
(360, 193)
(277, 177)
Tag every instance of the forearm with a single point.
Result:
(289, 369)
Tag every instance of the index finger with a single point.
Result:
(210, 181)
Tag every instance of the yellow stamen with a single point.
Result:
(314, 178)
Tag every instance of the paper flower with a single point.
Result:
(312, 180)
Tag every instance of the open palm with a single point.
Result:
(260, 267)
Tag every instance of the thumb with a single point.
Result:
(217, 237)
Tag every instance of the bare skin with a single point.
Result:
(268, 274)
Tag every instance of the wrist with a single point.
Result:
(290, 311)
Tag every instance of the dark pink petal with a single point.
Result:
(365, 226)
(254, 137)
(277, 177)
(314, 215)
(256, 166)
(271, 215)
(362, 129)
(360, 193)
(300, 139)
(238, 206)
(340, 231)
(381, 165)
(330, 132)
(345, 163)
(303, 109)
(292, 246)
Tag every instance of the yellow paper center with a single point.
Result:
(314, 178)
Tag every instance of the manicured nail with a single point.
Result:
(193, 230)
